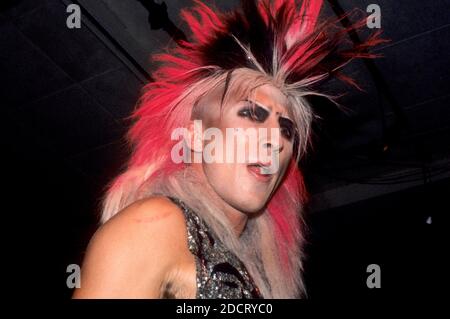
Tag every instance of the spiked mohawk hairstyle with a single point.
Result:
(273, 37)
(281, 41)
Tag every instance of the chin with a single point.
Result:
(250, 205)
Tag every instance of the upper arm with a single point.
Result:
(131, 255)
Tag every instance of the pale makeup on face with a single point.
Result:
(162, 259)
(244, 187)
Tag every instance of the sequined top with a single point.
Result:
(220, 273)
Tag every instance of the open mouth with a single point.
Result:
(261, 172)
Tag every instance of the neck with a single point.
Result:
(236, 218)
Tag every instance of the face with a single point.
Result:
(246, 183)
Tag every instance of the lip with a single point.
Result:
(255, 171)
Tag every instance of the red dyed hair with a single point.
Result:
(280, 39)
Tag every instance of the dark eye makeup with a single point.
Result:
(287, 128)
(259, 114)
(254, 112)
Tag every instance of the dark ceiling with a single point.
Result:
(65, 95)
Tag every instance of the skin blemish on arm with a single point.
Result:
(154, 217)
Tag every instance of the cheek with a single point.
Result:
(288, 153)
(225, 179)
(221, 173)
(285, 159)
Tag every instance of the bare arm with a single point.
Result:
(132, 254)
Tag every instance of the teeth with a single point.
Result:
(265, 170)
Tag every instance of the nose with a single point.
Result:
(272, 141)
(271, 148)
(274, 147)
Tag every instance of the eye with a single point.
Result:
(287, 128)
(286, 133)
(254, 112)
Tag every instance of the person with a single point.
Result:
(175, 226)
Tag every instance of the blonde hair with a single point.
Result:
(262, 43)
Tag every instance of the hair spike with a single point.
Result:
(278, 41)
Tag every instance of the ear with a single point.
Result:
(195, 136)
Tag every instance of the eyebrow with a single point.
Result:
(269, 108)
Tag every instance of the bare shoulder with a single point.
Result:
(145, 214)
(131, 254)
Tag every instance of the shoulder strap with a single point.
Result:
(199, 236)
